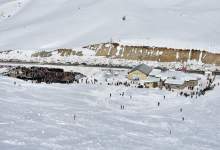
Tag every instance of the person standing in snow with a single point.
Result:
(123, 18)
(158, 104)
(110, 95)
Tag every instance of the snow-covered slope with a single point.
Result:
(39, 116)
(67, 23)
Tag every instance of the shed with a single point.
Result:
(191, 82)
(174, 84)
(152, 82)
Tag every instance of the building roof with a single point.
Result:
(152, 80)
(142, 68)
(155, 72)
(190, 78)
(174, 82)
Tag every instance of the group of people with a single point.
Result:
(122, 94)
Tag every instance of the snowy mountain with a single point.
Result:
(103, 40)
(46, 24)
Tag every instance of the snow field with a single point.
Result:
(40, 116)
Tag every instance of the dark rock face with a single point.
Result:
(43, 74)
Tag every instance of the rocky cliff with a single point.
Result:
(148, 53)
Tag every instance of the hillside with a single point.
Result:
(152, 53)
(40, 24)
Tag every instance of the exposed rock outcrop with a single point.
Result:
(62, 52)
(43, 74)
(148, 53)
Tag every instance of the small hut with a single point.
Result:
(191, 82)
(174, 84)
(152, 82)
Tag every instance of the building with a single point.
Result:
(140, 72)
(191, 82)
(174, 84)
(152, 82)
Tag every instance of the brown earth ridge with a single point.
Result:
(149, 53)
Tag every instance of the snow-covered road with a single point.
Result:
(40, 116)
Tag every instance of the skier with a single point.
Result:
(183, 118)
(181, 110)
(110, 95)
(123, 18)
(158, 104)
(74, 117)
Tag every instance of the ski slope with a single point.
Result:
(49, 24)
(40, 116)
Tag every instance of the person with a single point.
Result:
(130, 97)
(181, 110)
(183, 118)
(110, 95)
(123, 18)
(158, 104)
(74, 117)
(164, 97)
(170, 132)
